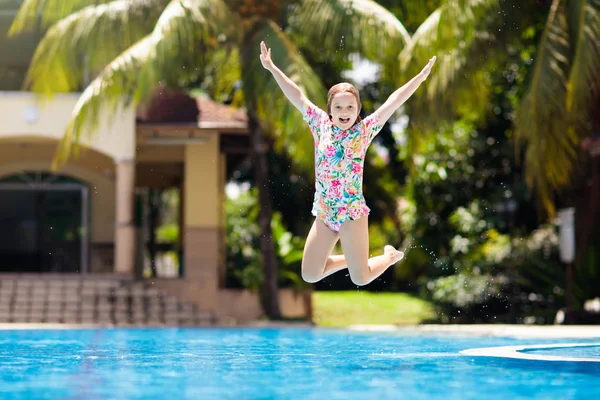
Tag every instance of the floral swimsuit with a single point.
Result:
(339, 159)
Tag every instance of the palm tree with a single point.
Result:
(131, 46)
(561, 106)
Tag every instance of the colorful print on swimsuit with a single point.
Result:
(339, 160)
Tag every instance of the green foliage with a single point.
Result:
(412, 13)
(464, 241)
(243, 255)
(243, 259)
(496, 273)
(168, 233)
(354, 25)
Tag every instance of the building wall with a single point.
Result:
(243, 306)
(237, 306)
(32, 128)
(30, 131)
(23, 114)
(202, 183)
(202, 217)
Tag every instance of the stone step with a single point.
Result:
(87, 306)
(93, 300)
(72, 306)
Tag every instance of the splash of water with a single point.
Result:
(432, 256)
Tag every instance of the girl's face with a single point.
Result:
(344, 110)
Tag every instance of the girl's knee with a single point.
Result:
(309, 273)
(310, 276)
(359, 279)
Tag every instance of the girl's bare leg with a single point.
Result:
(317, 261)
(354, 236)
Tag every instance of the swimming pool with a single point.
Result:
(290, 363)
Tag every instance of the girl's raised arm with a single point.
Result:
(289, 88)
(402, 94)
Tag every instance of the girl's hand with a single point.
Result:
(425, 72)
(265, 56)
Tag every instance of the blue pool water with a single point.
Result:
(277, 364)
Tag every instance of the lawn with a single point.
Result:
(338, 309)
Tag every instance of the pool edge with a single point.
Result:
(516, 352)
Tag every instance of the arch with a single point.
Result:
(32, 138)
(40, 179)
(44, 148)
(93, 169)
(41, 151)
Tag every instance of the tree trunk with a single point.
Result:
(248, 56)
(270, 290)
(587, 221)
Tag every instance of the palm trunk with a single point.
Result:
(270, 290)
(592, 195)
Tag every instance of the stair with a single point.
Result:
(93, 300)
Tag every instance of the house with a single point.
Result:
(86, 217)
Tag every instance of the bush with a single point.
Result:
(243, 255)
(500, 273)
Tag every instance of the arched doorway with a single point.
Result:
(43, 223)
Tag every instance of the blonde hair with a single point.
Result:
(343, 87)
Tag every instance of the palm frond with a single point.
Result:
(278, 116)
(584, 23)
(223, 76)
(119, 85)
(540, 122)
(78, 46)
(458, 33)
(177, 49)
(353, 26)
(46, 12)
(186, 34)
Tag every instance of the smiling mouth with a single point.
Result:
(344, 120)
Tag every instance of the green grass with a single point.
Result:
(338, 309)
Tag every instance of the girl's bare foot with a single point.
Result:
(393, 254)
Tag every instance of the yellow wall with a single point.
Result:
(202, 174)
(92, 168)
(22, 114)
(236, 306)
(243, 306)
(163, 154)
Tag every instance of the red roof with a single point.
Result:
(168, 106)
(214, 114)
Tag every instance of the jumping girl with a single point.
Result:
(341, 143)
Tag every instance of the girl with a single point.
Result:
(341, 142)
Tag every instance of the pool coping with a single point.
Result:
(515, 331)
(505, 330)
(517, 352)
